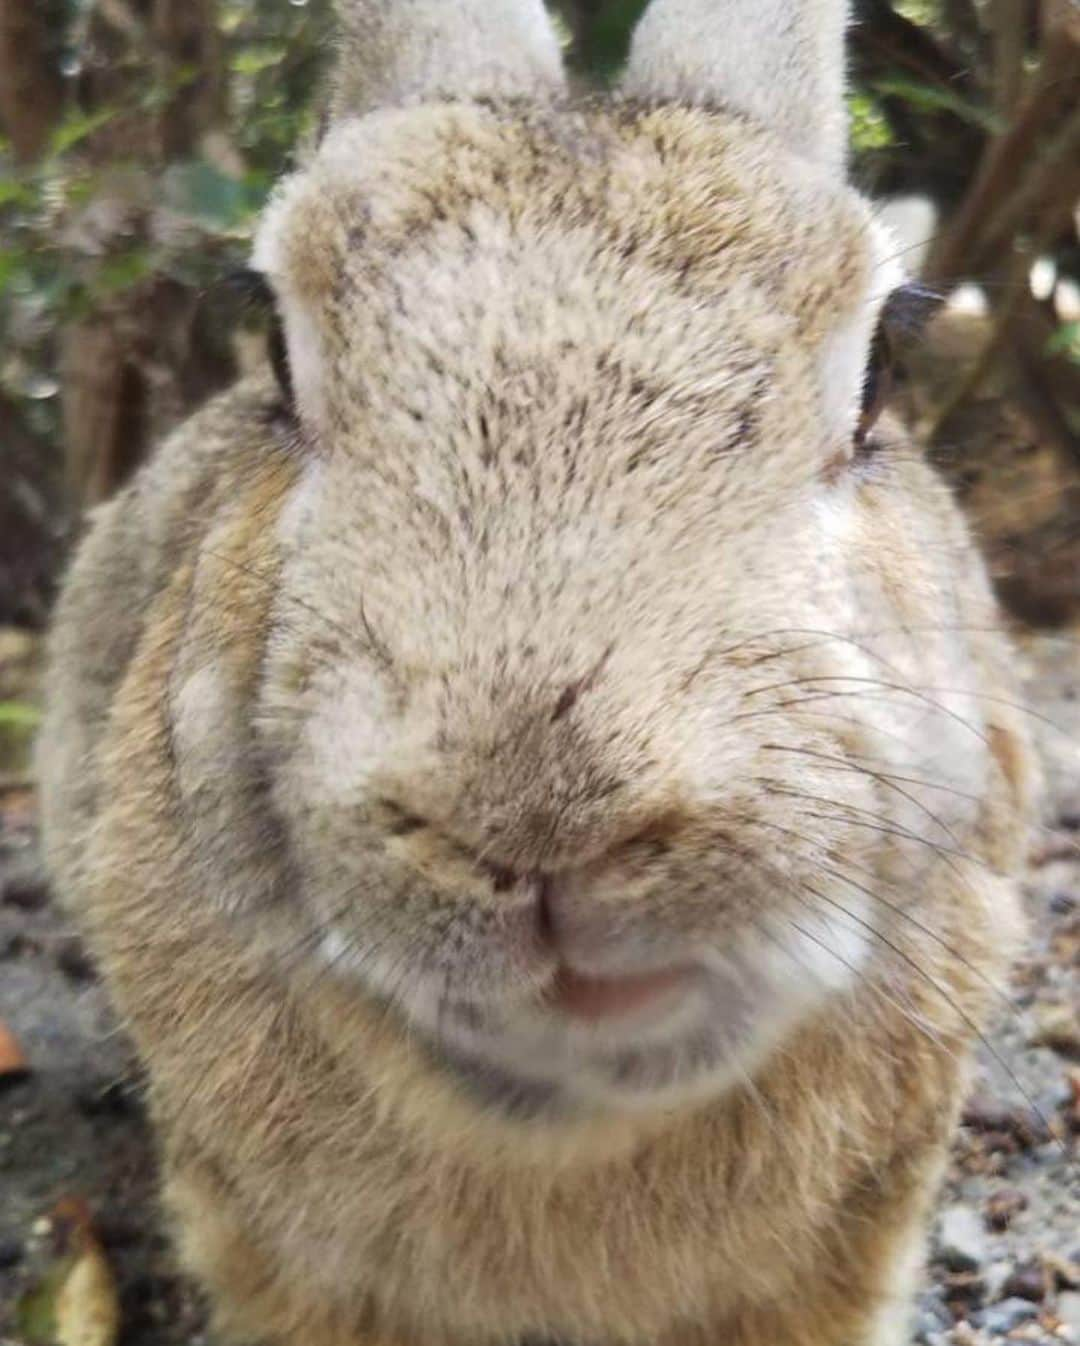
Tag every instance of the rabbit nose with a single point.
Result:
(504, 879)
(573, 992)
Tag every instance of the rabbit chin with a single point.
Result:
(701, 1036)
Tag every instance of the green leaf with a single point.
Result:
(870, 129)
(206, 194)
(76, 128)
(923, 12)
(123, 271)
(11, 263)
(164, 90)
(254, 60)
(14, 192)
(605, 38)
(931, 98)
(35, 1313)
(1066, 341)
(18, 715)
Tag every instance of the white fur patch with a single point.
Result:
(893, 1325)
(831, 947)
(201, 706)
(301, 506)
(306, 362)
(269, 256)
(346, 739)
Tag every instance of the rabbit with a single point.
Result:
(540, 771)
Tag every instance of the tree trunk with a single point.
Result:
(31, 521)
(131, 370)
(186, 40)
(31, 85)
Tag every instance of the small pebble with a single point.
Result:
(11, 1253)
(995, 1276)
(114, 1231)
(1003, 1207)
(961, 1239)
(15, 946)
(1068, 1310)
(964, 1289)
(1010, 1313)
(932, 1317)
(73, 960)
(1026, 1282)
(28, 891)
(1065, 1271)
(115, 1099)
(1057, 1026)
(1004, 1128)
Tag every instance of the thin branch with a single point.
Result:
(1007, 157)
(884, 40)
(1010, 40)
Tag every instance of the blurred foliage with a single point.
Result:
(66, 247)
(55, 266)
(140, 197)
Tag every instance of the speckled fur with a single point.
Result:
(565, 566)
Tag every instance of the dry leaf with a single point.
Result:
(12, 1060)
(85, 1308)
(87, 1311)
(1057, 1026)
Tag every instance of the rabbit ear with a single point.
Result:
(779, 61)
(410, 51)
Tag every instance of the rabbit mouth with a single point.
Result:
(635, 1042)
(598, 999)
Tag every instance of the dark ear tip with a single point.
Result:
(910, 308)
(251, 286)
(279, 362)
(254, 290)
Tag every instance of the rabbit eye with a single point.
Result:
(279, 359)
(400, 822)
(256, 291)
(877, 385)
(904, 315)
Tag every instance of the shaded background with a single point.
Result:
(140, 138)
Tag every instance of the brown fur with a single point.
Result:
(565, 428)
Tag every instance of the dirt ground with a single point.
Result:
(1006, 1264)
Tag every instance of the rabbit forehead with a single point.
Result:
(701, 196)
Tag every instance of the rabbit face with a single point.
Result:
(617, 707)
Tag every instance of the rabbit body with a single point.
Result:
(560, 577)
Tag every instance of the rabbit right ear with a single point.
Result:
(408, 51)
(779, 61)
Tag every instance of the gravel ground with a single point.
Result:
(1006, 1265)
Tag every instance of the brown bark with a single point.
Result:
(131, 370)
(1010, 40)
(105, 407)
(885, 38)
(188, 45)
(31, 523)
(31, 85)
(1029, 168)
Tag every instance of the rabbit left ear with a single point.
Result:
(409, 51)
(779, 61)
